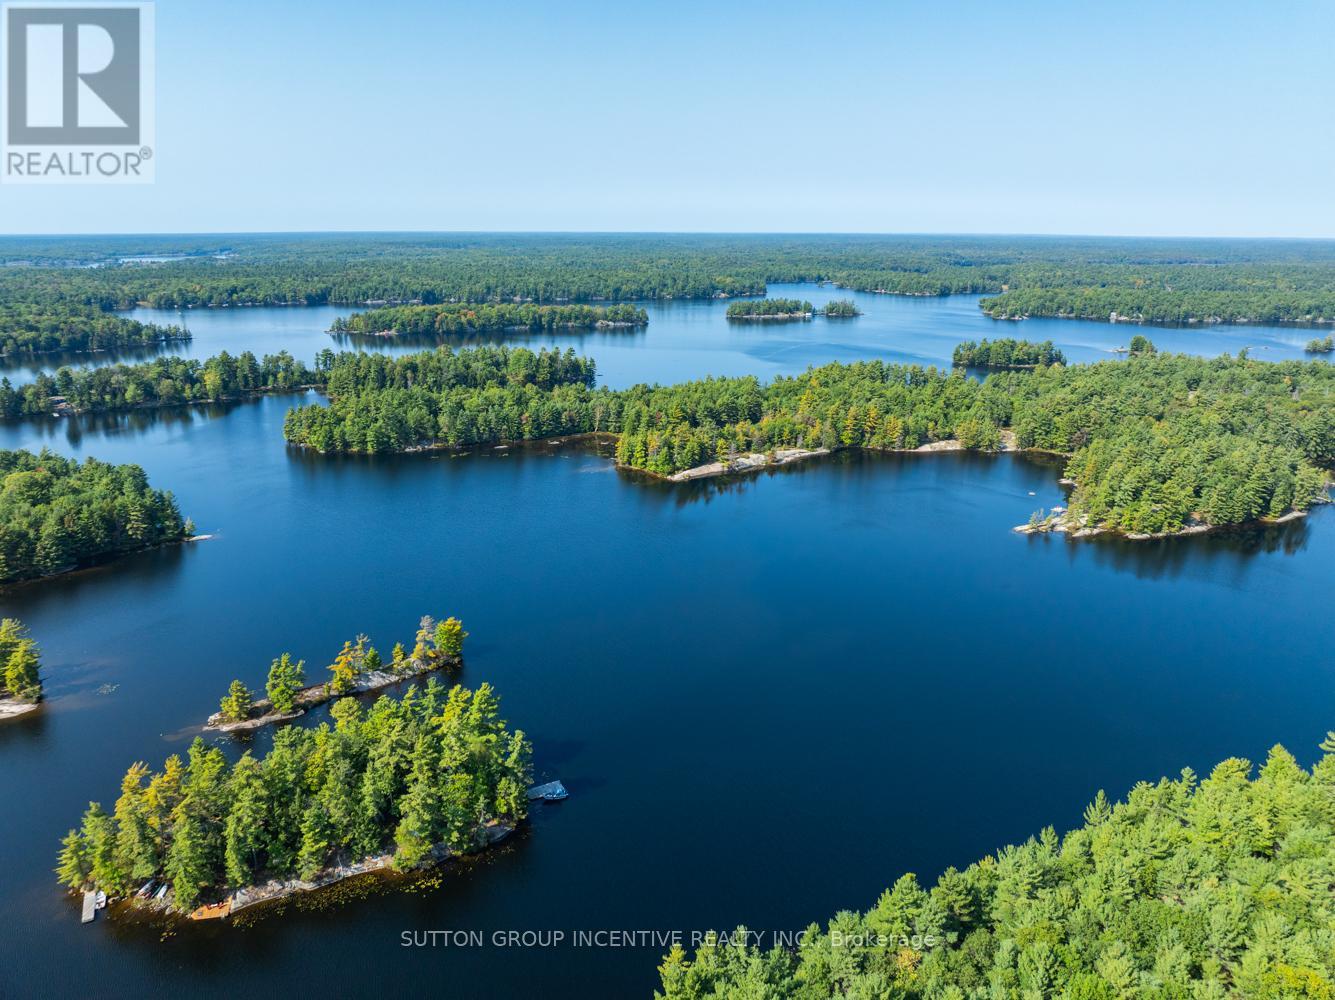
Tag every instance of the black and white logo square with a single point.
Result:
(78, 102)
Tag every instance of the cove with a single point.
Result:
(768, 696)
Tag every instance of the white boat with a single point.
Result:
(161, 892)
(146, 889)
(101, 899)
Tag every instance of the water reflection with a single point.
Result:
(32, 365)
(74, 429)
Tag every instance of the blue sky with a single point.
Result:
(1166, 118)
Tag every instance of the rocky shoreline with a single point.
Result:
(1063, 522)
(318, 694)
(752, 462)
(13, 708)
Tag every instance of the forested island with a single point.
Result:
(405, 782)
(28, 328)
(1006, 352)
(769, 310)
(357, 668)
(20, 670)
(1187, 889)
(160, 382)
(1321, 345)
(57, 514)
(451, 398)
(1155, 443)
(1135, 280)
(455, 320)
(841, 309)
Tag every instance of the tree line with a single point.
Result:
(463, 319)
(412, 776)
(1155, 442)
(1188, 889)
(1006, 352)
(29, 328)
(20, 662)
(1161, 281)
(160, 382)
(57, 514)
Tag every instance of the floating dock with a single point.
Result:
(553, 791)
(89, 908)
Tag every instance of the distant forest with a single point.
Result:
(1141, 280)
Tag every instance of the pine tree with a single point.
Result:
(22, 671)
(246, 831)
(421, 809)
(449, 639)
(76, 864)
(236, 705)
(138, 849)
(285, 681)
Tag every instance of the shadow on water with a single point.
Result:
(1169, 558)
(129, 422)
(33, 365)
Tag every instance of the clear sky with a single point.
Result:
(1174, 117)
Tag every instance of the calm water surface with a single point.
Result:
(690, 339)
(768, 697)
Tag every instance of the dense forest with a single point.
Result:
(462, 320)
(410, 776)
(770, 309)
(28, 328)
(1006, 353)
(161, 382)
(1162, 281)
(20, 662)
(1187, 890)
(1155, 442)
(56, 514)
(484, 394)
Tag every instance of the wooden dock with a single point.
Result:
(552, 791)
(89, 908)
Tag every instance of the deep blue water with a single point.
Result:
(769, 697)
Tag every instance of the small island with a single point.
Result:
(50, 329)
(1321, 345)
(20, 671)
(404, 783)
(463, 319)
(841, 309)
(769, 311)
(358, 668)
(1006, 352)
(163, 382)
(57, 515)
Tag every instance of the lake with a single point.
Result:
(769, 697)
(690, 339)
